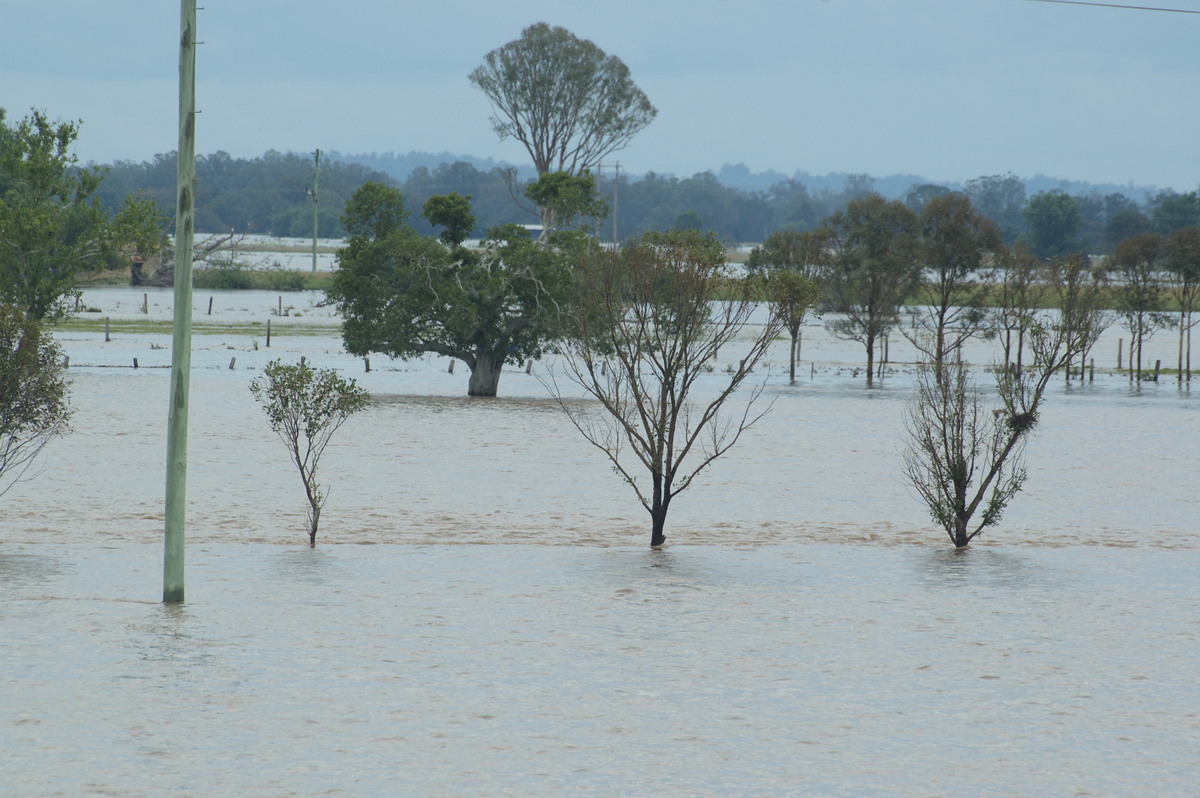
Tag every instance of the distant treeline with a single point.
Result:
(269, 196)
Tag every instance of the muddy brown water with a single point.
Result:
(482, 615)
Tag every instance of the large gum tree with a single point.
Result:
(405, 294)
(564, 99)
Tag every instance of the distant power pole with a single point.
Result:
(616, 176)
(181, 342)
(616, 179)
(315, 200)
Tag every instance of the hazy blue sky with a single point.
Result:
(948, 89)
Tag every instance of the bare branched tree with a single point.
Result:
(645, 347)
(1017, 281)
(966, 462)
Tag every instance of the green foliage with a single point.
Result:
(566, 200)
(405, 294)
(956, 241)
(875, 266)
(232, 275)
(1055, 225)
(1000, 198)
(567, 101)
(453, 213)
(34, 407)
(305, 407)
(264, 195)
(1174, 211)
(52, 225)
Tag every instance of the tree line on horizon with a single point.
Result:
(268, 195)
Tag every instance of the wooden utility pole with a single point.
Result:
(315, 200)
(181, 342)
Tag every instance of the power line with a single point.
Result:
(1118, 5)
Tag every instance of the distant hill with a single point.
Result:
(738, 176)
(399, 166)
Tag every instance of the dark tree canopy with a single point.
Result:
(405, 294)
(1055, 224)
(567, 101)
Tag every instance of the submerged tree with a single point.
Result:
(789, 264)
(956, 243)
(966, 460)
(1183, 263)
(405, 294)
(1079, 289)
(33, 394)
(874, 268)
(305, 407)
(1137, 264)
(645, 347)
(1017, 283)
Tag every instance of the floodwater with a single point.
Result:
(482, 615)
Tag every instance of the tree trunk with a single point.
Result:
(870, 360)
(658, 524)
(314, 519)
(660, 501)
(485, 376)
(792, 361)
(960, 533)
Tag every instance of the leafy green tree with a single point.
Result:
(1173, 211)
(564, 99)
(1000, 198)
(566, 200)
(956, 242)
(791, 295)
(874, 268)
(917, 197)
(1054, 224)
(451, 212)
(790, 264)
(33, 394)
(1126, 223)
(643, 346)
(688, 220)
(52, 225)
(305, 407)
(568, 102)
(1182, 261)
(404, 294)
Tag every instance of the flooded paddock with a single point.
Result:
(482, 615)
